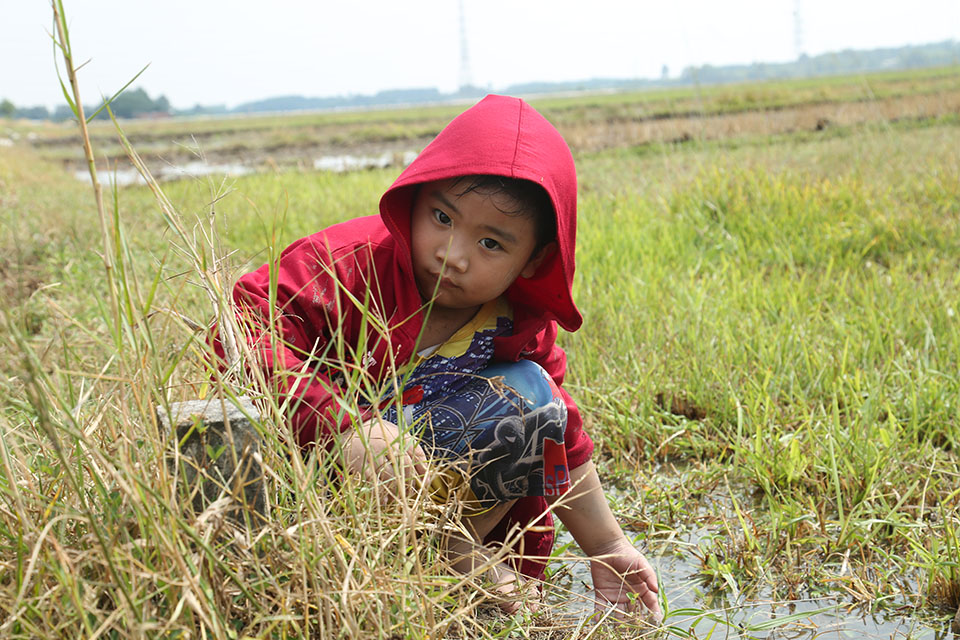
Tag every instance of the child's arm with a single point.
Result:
(290, 310)
(616, 567)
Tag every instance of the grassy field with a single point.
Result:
(770, 364)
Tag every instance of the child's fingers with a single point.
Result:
(649, 600)
(643, 582)
(382, 457)
(648, 597)
(645, 575)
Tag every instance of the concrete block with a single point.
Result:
(220, 453)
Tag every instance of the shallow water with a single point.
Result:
(702, 613)
(127, 177)
(336, 164)
(347, 162)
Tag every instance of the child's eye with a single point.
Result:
(441, 217)
(490, 243)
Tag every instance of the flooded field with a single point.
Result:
(702, 603)
(696, 611)
(197, 169)
(768, 367)
(355, 141)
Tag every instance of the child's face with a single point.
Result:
(469, 245)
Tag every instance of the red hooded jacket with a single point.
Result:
(324, 280)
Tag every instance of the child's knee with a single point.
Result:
(528, 379)
(523, 447)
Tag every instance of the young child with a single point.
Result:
(467, 273)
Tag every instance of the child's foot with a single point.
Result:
(511, 589)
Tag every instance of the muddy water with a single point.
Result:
(697, 611)
(694, 611)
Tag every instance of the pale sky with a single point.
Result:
(234, 51)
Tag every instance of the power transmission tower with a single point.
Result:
(798, 28)
(465, 79)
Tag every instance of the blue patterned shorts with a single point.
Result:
(506, 424)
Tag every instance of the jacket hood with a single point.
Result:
(503, 136)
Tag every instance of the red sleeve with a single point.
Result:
(290, 334)
(545, 352)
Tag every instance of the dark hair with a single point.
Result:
(531, 200)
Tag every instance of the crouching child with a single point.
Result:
(468, 269)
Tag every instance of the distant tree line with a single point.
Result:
(137, 104)
(849, 61)
(843, 62)
(383, 98)
(10, 110)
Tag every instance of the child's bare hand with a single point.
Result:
(377, 451)
(619, 571)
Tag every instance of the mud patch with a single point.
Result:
(19, 280)
(679, 405)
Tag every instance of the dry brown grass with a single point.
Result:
(804, 117)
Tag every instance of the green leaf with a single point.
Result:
(114, 96)
(780, 621)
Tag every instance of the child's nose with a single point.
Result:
(454, 255)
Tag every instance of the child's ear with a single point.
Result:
(537, 259)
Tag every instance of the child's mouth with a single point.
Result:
(443, 282)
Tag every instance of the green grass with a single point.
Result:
(777, 318)
(801, 301)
